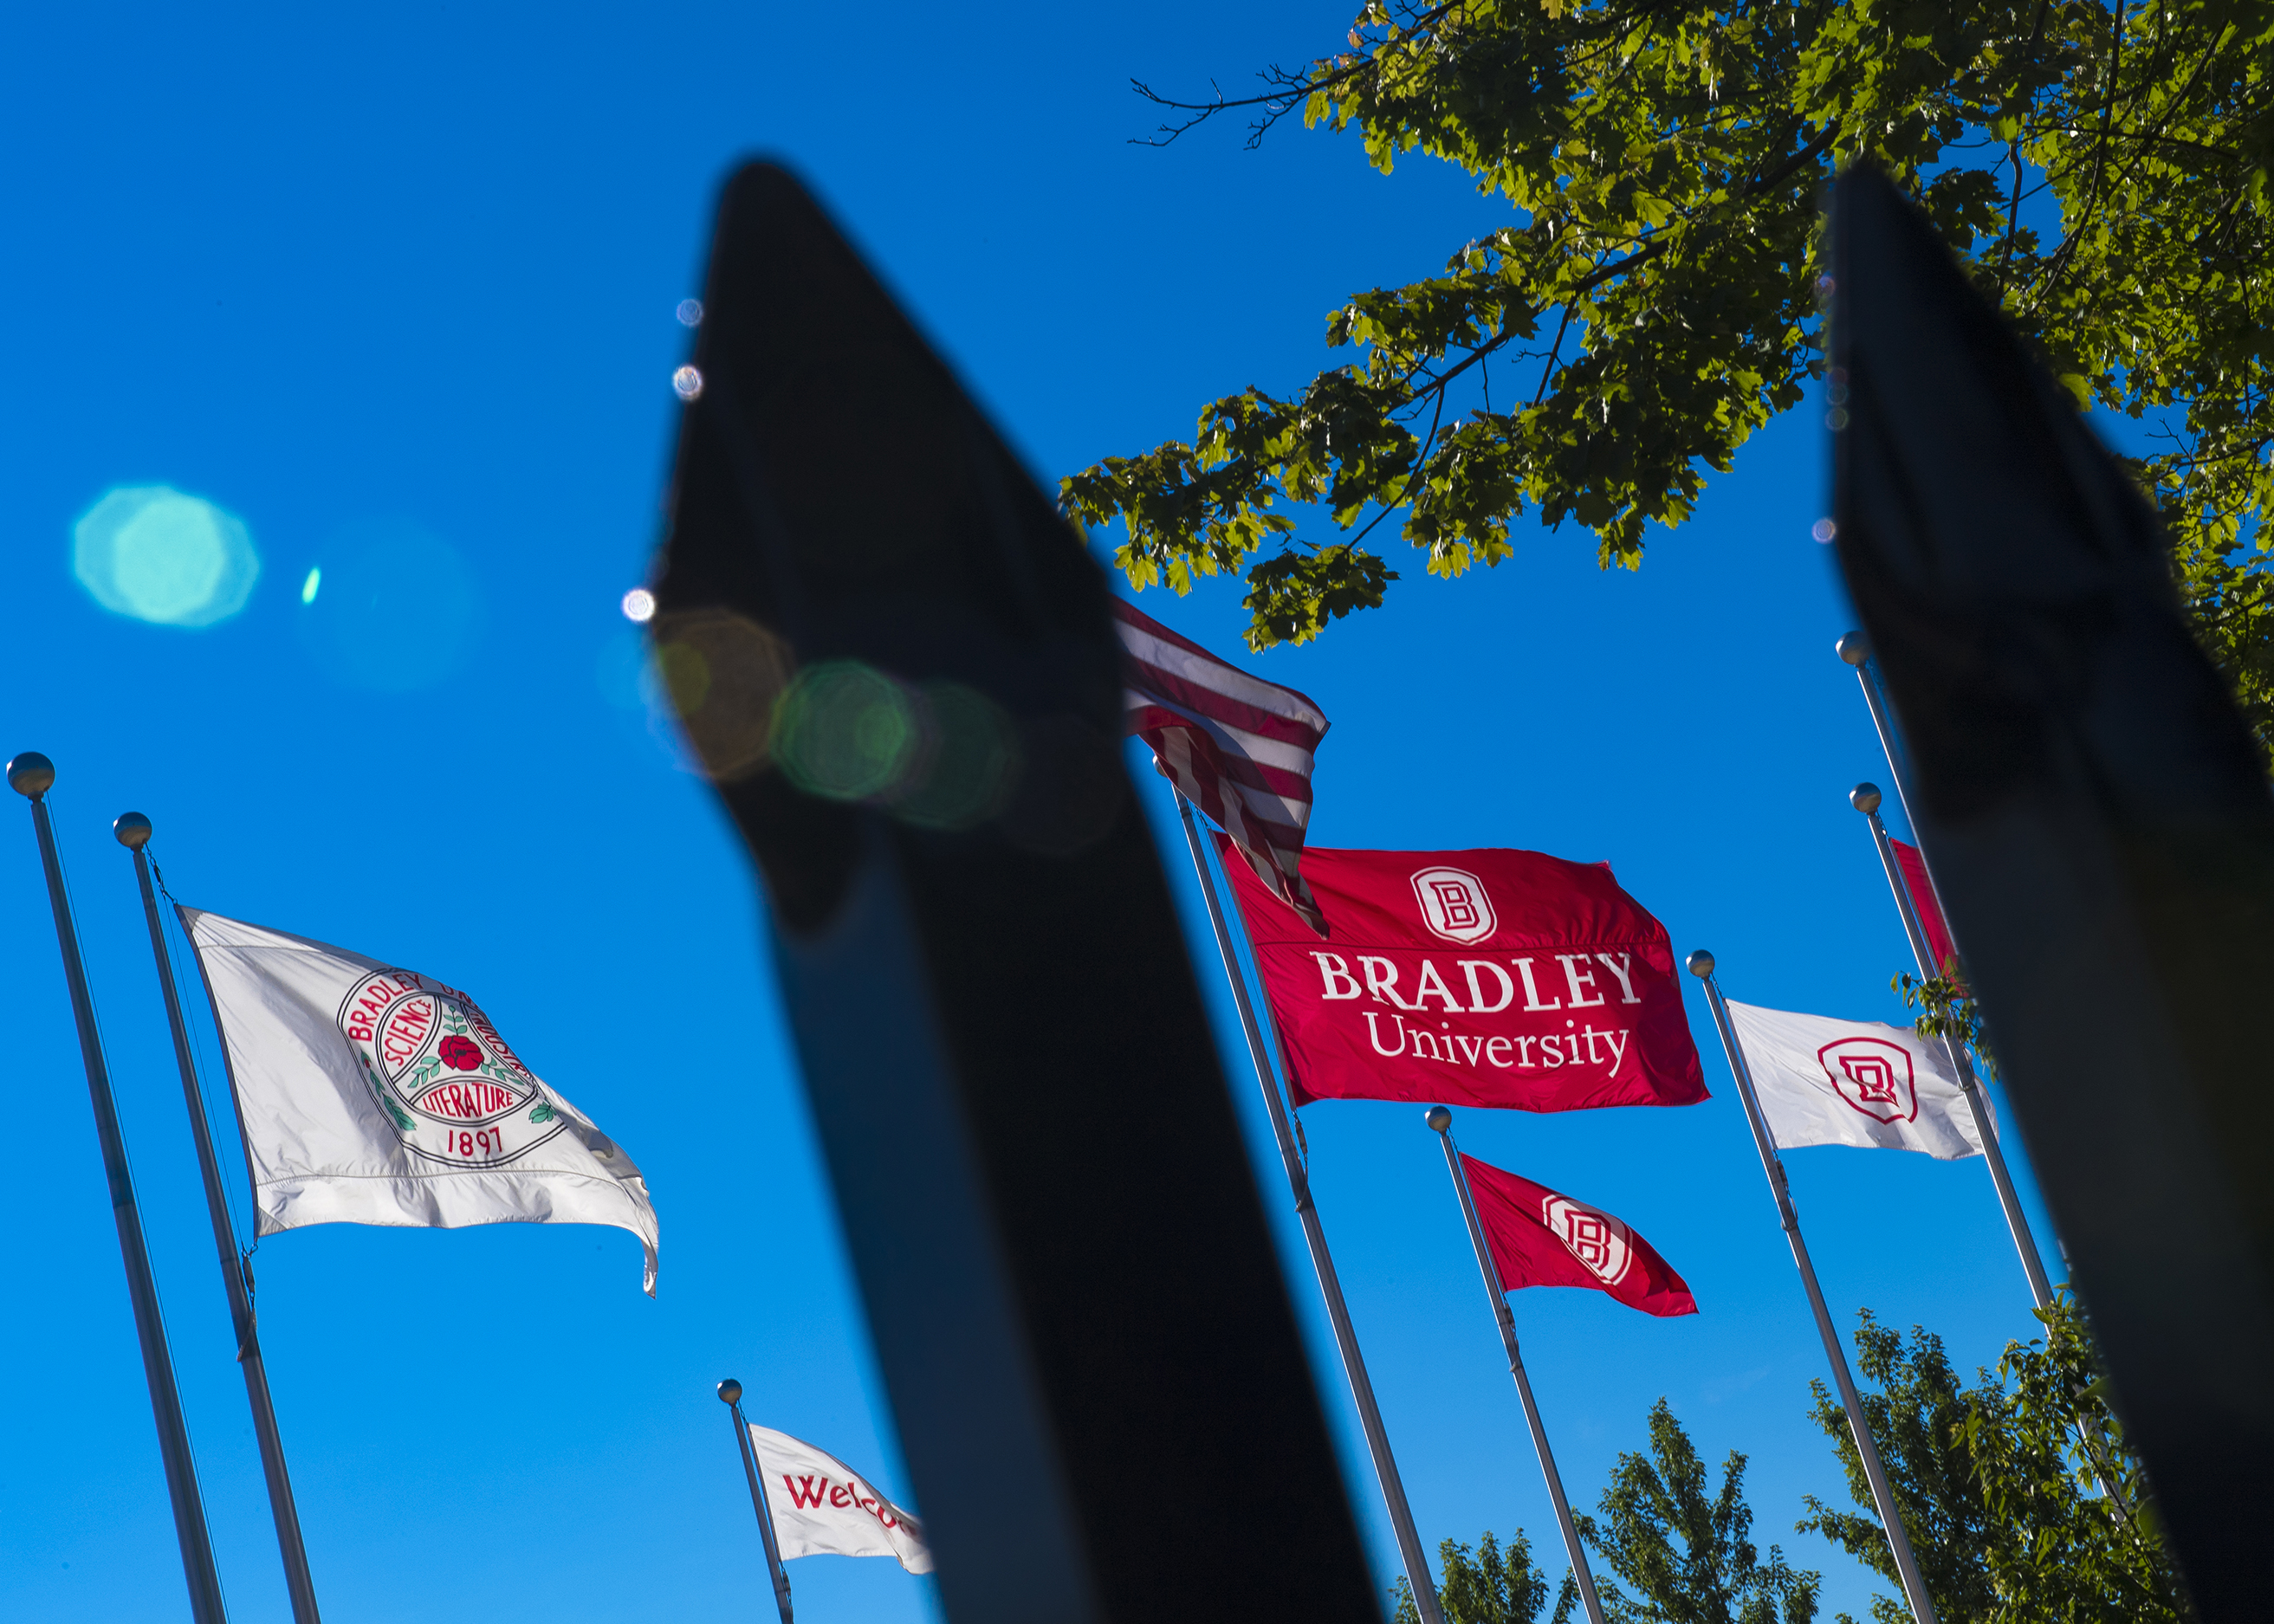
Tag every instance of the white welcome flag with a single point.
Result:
(822, 1508)
(373, 1094)
(1854, 1082)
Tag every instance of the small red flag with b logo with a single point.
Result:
(1540, 1238)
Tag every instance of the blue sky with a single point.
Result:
(395, 288)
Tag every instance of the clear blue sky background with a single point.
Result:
(406, 277)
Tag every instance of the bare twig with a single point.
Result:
(1285, 90)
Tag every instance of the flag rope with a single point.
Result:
(237, 1274)
(157, 1292)
(206, 1064)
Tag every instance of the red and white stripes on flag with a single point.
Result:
(1239, 748)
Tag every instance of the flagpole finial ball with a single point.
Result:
(1864, 798)
(132, 829)
(730, 1391)
(1853, 649)
(1438, 1118)
(30, 774)
(1701, 964)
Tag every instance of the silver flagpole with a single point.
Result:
(133, 831)
(29, 775)
(1857, 651)
(1865, 799)
(1899, 1542)
(1442, 1120)
(730, 1393)
(1377, 1442)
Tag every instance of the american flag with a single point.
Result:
(1239, 748)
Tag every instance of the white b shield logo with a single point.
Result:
(1454, 905)
(1597, 1239)
(1873, 1076)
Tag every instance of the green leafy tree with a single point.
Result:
(1918, 1421)
(2101, 168)
(2020, 1498)
(1687, 1552)
(1946, 1009)
(1489, 1585)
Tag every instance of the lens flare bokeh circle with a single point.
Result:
(155, 554)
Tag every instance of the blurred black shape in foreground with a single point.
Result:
(896, 662)
(2101, 830)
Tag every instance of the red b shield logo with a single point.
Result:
(1873, 1076)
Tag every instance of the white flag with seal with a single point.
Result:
(1854, 1082)
(369, 1094)
(822, 1508)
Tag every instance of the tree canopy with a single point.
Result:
(2101, 168)
(1489, 1585)
(1686, 1551)
(2004, 1486)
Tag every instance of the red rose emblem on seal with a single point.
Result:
(460, 1054)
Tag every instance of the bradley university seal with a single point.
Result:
(454, 1091)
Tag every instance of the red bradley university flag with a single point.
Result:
(1494, 978)
(1540, 1238)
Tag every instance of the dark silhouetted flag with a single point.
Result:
(1080, 1455)
(2102, 836)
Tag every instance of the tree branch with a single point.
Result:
(1553, 349)
(1287, 89)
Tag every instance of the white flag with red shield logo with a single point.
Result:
(1854, 1082)
(370, 1094)
(822, 1508)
